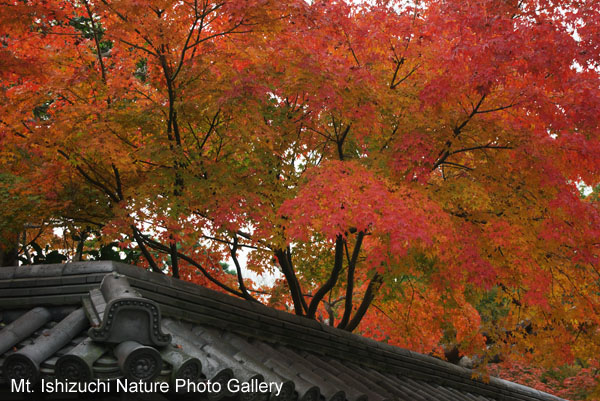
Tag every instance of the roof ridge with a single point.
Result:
(195, 303)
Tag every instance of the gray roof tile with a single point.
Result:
(216, 336)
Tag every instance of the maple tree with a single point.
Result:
(409, 170)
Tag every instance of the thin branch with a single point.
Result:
(174, 258)
(351, 49)
(213, 124)
(150, 52)
(488, 146)
(216, 35)
(398, 65)
(160, 247)
(394, 84)
(456, 165)
(96, 183)
(444, 154)
(96, 41)
(122, 139)
(125, 19)
(240, 233)
(497, 109)
(187, 41)
(458, 129)
(138, 238)
(223, 241)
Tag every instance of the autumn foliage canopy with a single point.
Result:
(408, 170)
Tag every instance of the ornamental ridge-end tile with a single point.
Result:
(126, 316)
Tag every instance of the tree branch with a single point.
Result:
(296, 282)
(291, 280)
(96, 41)
(174, 261)
(118, 181)
(139, 239)
(238, 268)
(160, 247)
(187, 41)
(374, 285)
(456, 165)
(393, 85)
(444, 154)
(330, 283)
(350, 283)
(488, 146)
(96, 183)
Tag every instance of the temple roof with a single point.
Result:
(106, 321)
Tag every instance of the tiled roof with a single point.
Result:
(105, 320)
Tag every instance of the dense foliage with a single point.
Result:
(409, 170)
